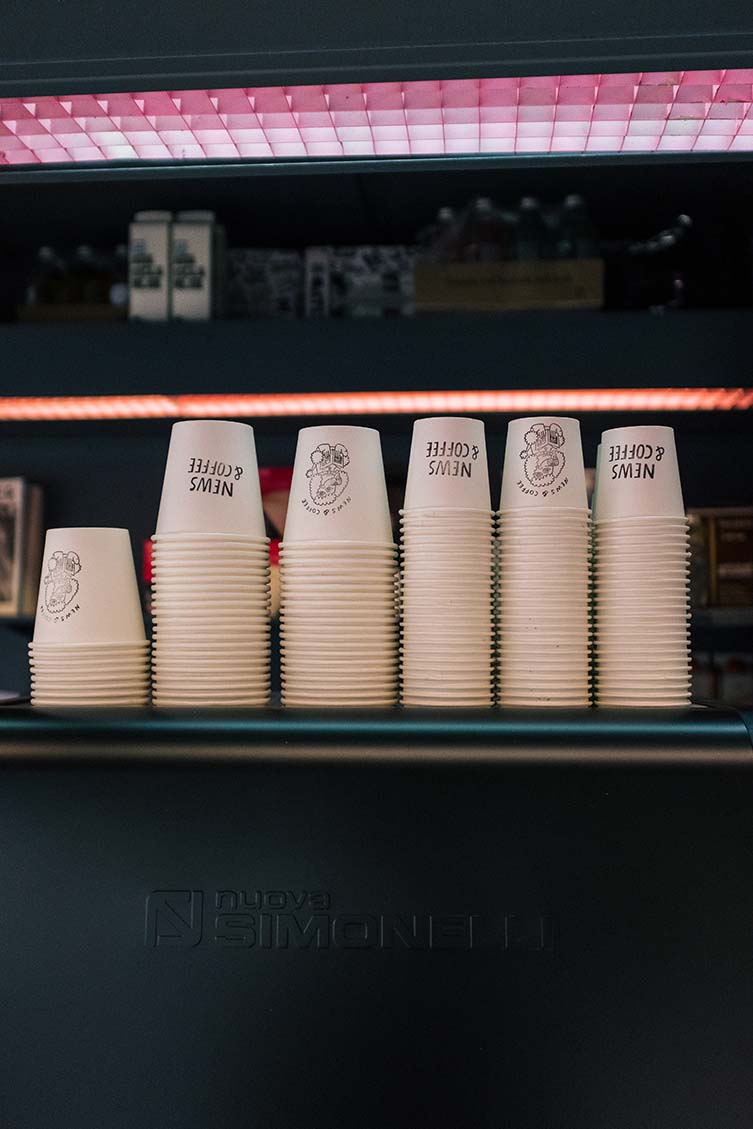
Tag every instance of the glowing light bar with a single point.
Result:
(262, 406)
(645, 112)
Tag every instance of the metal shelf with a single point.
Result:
(693, 735)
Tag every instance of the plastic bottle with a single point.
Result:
(436, 242)
(46, 283)
(118, 294)
(531, 236)
(486, 236)
(576, 238)
(89, 279)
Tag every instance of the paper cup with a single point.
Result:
(346, 551)
(88, 592)
(638, 474)
(338, 492)
(543, 465)
(211, 482)
(448, 465)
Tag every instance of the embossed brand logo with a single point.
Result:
(306, 919)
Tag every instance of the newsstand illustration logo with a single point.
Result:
(60, 584)
(328, 478)
(543, 457)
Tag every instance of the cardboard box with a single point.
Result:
(722, 539)
(359, 282)
(264, 283)
(567, 284)
(21, 536)
(149, 266)
(197, 266)
(733, 556)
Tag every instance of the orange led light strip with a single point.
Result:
(264, 406)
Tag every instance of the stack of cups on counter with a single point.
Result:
(210, 572)
(338, 626)
(641, 571)
(89, 646)
(447, 652)
(544, 552)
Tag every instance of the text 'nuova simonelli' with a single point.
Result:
(302, 919)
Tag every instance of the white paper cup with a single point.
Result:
(55, 701)
(516, 702)
(210, 549)
(88, 592)
(313, 698)
(240, 695)
(648, 524)
(638, 474)
(680, 695)
(338, 492)
(543, 465)
(347, 551)
(182, 597)
(211, 563)
(211, 482)
(448, 465)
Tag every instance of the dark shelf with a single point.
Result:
(515, 350)
(402, 734)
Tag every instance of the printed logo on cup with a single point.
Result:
(327, 477)
(450, 458)
(634, 460)
(210, 476)
(60, 585)
(544, 457)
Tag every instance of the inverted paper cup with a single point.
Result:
(240, 695)
(543, 465)
(88, 592)
(418, 701)
(476, 560)
(212, 551)
(633, 700)
(140, 697)
(321, 699)
(338, 492)
(229, 684)
(239, 609)
(120, 690)
(638, 474)
(525, 701)
(208, 571)
(208, 581)
(651, 524)
(211, 482)
(643, 570)
(203, 537)
(447, 517)
(448, 465)
(346, 549)
(619, 544)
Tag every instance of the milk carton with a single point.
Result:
(197, 266)
(149, 266)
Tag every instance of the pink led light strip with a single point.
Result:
(22, 408)
(665, 111)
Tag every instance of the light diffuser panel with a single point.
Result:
(648, 112)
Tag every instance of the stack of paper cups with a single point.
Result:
(89, 646)
(447, 561)
(338, 628)
(210, 574)
(641, 571)
(544, 550)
